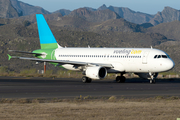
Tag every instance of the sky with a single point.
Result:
(145, 6)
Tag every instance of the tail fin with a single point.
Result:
(47, 39)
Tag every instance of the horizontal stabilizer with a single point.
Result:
(9, 57)
(25, 52)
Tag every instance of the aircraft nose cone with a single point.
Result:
(170, 65)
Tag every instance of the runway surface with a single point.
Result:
(16, 87)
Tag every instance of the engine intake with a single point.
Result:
(96, 72)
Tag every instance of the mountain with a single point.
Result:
(7, 10)
(91, 9)
(120, 25)
(103, 7)
(111, 25)
(167, 15)
(132, 16)
(25, 9)
(170, 29)
(63, 12)
(94, 16)
(32, 18)
(128, 14)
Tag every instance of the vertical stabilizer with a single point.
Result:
(46, 37)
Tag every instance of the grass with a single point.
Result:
(68, 74)
(87, 107)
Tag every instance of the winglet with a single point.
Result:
(9, 57)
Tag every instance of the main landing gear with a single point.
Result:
(86, 79)
(120, 79)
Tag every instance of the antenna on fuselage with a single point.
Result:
(89, 46)
(151, 47)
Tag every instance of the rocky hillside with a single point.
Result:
(15, 8)
(94, 16)
(167, 15)
(63, 12)
(25, 9)
(7, 10)
(129, 15)
(170, 30)
(120, 25)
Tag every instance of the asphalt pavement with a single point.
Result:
(19, 87)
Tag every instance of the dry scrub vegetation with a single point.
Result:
(87, 108)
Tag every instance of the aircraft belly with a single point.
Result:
(71, 67)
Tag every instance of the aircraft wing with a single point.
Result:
(61, 62)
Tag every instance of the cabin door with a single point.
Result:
(144, 57)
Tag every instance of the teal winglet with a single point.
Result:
(9, 57)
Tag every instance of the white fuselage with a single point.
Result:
(136, 60)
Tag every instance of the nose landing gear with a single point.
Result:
(153, 77)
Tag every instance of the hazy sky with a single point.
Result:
(146, 6)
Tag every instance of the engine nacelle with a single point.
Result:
(96, 72)
(146, 75)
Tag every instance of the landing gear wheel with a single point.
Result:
(86, 79)
(120, 79)
(152, 81)
(89, 80)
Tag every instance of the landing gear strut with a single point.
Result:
(152, 79)
(86, 79)
(120, 79)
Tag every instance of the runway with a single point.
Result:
(17, 87)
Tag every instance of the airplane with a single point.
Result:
(95, 63)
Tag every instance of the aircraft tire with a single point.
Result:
(89, 80)
(123, 79)
(84, 79)
(152, 81)
(120, 79)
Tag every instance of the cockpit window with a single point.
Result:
(159, 56)
(164, 56)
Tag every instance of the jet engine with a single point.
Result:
(147, 76)
(96, 72)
